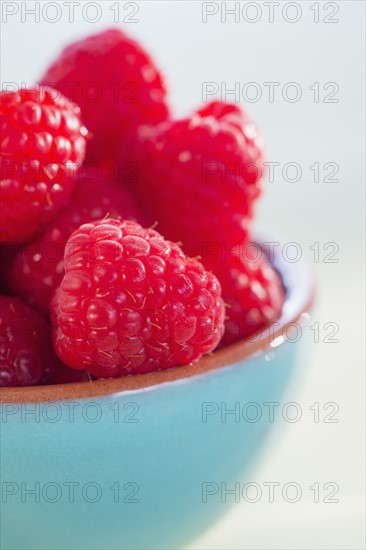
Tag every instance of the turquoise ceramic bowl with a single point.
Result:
(140, 462)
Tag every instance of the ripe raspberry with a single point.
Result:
(26, 354)
(206, 168)
(116, 84)
(251, 289)
(42, 145)
(131, 302)
(38, 268)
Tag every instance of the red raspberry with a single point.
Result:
(206, 168)
(251, 289)
(26, 354)
(131, 302)
(37, 269)
(42, 145)
(116, 84)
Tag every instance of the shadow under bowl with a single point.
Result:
(139, 462)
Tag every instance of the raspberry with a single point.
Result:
(116, 84)
(206, 168)
(37, 269)
(131, 302)
(42, 144)
(251, 289)
(26, 354)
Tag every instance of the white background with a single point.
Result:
(191, 52)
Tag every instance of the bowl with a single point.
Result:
(146, 461)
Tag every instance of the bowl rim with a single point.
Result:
(299, 284)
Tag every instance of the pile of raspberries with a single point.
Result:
(125, 234)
